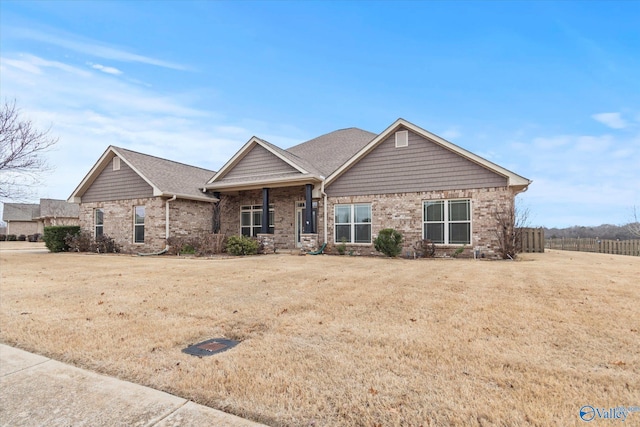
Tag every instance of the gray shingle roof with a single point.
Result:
(330, 151)
(168, 176)
(20, 211)
(50, 208)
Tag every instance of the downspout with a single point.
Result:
(324, 205)
(166, 223)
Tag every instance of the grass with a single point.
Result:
(344, 340)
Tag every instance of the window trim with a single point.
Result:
(352, 223)
(252, 210)
(97, 226)
(447, 222)
(137, 225)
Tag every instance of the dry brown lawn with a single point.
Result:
(329, 340)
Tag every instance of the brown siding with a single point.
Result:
(422, 166)
(259, 161)
(117, 185)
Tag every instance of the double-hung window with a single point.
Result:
(138, 224)
(98, 222)
(447, 221)
(353, 223)
(251, 220)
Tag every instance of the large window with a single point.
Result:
(448, 221)
(251, 220)
(138, 224)
(353, 223)
(98, 222)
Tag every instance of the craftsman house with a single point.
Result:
(141, 200)
(341, 188)
(347, 185)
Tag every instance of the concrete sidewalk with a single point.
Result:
(38, 391)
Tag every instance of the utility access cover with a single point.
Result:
(210, 347)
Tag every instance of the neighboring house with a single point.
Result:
(357, 183)
(57, 212)
(21, 218)
(28, 218)
(140, 200)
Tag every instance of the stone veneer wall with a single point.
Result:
(403, 212)
(186, 217)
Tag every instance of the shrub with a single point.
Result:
(22, 238)
(105, 245)
(425, 248)
(81, 242)
(34, 237)
(84, 242)
(242, 245)
(342, 247)
(54, 237)
(200, 245)
(3, 237)
(11, 238)
(389, 242)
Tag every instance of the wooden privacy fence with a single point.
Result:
(532, 239)
(615, 247)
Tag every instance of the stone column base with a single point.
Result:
(268, 243)
(309, 242)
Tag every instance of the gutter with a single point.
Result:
(324, 205)
(167, 219)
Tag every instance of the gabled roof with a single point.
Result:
(330, 151)
(20, 211)
(306, 171)
(513, 180)
(166, 177)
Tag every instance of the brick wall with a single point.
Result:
(403, 212)
(187, 217)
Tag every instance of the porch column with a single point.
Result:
(265, 211)
(308, 211)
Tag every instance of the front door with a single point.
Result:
(300, 214)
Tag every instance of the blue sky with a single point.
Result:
(550, 90)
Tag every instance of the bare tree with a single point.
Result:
(21, 153)
(509, 224)
(634, 225)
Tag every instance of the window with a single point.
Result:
(98, 220)
(402, 138)
(251, 220)
(353, 223)
(448, 221)
(138, 224)
(116, 163)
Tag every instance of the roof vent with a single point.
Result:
(402, 138)
(116, 163)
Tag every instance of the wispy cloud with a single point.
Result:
(612, 120)
(88, 110)
(88, 47)
(580, 177)
(105, 69)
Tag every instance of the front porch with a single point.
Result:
(278, 217)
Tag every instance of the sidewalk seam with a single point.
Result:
(24, 369)
(153, 423)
